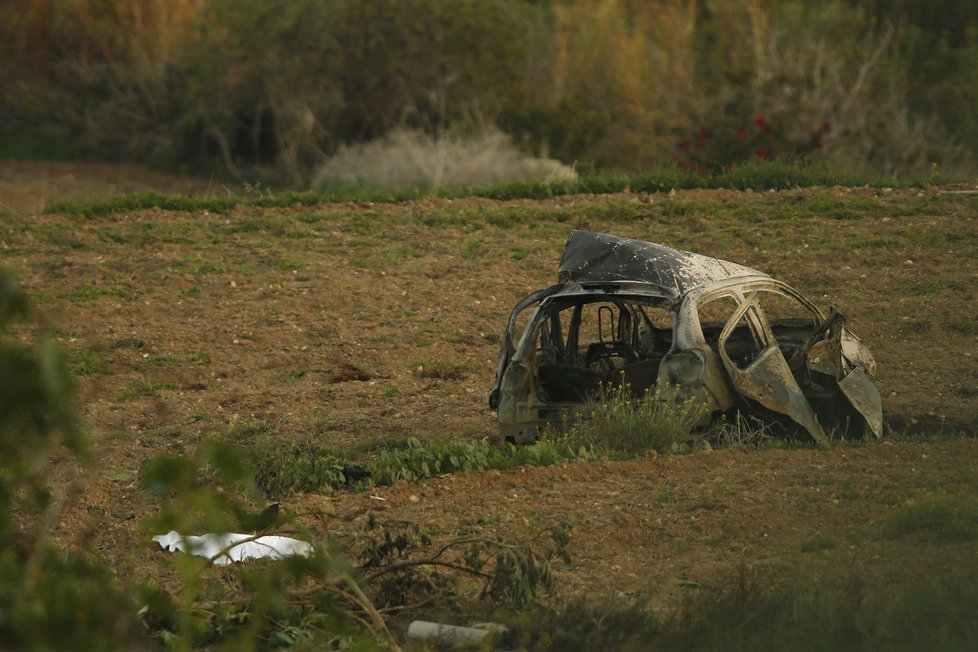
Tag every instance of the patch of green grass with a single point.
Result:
(940, 518)
(402, 252)
(848, 490)
(240, 431)
(927, 239)
(460, 336)
(143, 387)
(93, 293)
(287, 264)
(817, 543)
(289, 376)
(201, 266)
(961, 326)
(140, 201)
(667, 497)
(89, 361)
(776, 175)
(439, 369)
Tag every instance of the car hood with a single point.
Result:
(591, 257)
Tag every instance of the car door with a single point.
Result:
(764, 375)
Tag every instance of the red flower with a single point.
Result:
(702, 131)
(761, 153)
(685, 165)
(826, 125)
(700, 170)
(760, 121)
(767, 131)
(741, 134)
(684, 144)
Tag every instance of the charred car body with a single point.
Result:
(641, 313)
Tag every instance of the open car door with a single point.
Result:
(766, 377)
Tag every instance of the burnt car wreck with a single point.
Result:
(627, 311)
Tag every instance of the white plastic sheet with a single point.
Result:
(209, 545)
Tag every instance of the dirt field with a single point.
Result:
(341, 324)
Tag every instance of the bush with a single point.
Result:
(619, 423)
(413, 159)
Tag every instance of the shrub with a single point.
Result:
(413, 159)
(620, 423)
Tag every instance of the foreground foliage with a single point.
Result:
(49, 597)
(745, 614)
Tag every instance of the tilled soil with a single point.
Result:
(661, 528)
(345, 323)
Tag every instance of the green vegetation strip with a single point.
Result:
(619, 428)
(282, 469)
(774, 175)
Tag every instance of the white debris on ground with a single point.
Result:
(236, 547)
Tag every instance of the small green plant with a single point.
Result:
(88, 362)
(284, 468)
(622, 424)
(143, 387)
(667, 497)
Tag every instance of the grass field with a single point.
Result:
(348, 327)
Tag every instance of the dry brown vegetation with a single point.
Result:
(280, 86)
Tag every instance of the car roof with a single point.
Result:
(592, 258)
